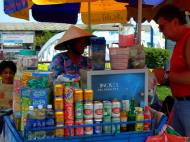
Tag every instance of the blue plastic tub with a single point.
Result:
(12, 135)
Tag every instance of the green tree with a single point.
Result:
(42, 38)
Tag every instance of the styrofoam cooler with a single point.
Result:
(119, 58)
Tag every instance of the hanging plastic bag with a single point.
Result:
(136, 57)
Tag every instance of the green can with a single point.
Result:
(107, 128)
(79, 110)
(116, 127)
(107, 109)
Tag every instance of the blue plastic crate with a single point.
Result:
(11, 135)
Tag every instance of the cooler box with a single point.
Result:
(117, 84)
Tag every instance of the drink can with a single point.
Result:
(88, 95)
(59, 116)
(69, 112)
(59, 132)
(98, 129)
(116, 108)
(79, 131)
(68, 95)
(58, 104)
(88, 110)
(107, 109)
(75, 84)
(88, 130)
(79, 110)
(98, 110)
(116, 127)
(69, 131)
(107, 128)
(78, 95)
(58, 90)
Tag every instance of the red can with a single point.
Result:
(98, 110)
(68, 130)
(88, 110)
(79, 131)
(69, 112)
(88, 130)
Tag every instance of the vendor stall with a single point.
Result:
(98, 105)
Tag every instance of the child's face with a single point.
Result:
(7, 76)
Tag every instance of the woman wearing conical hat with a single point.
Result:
(74, 42)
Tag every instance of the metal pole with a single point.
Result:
(139, 22)
(89, 16)
(151, 37)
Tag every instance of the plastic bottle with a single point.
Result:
(139, 117)
(131, 116)
(30, 122)
(50, 121)
(123, 118)
(147, 116)
(40, 120)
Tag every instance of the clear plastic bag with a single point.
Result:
(136, 57)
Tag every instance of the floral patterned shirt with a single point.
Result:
(61, 63)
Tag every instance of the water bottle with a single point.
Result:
(50, 121)
(40, 122)
(30, 122)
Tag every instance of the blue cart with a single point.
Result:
(12, 135)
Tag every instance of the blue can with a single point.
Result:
(98, 129)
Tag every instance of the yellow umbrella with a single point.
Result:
(104, 11)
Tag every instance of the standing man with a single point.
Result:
(172, 23)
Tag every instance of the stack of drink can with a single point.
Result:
(78, 95)
(59, 108)
(88, 111)
(116, 116)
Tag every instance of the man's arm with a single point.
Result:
(183, 77)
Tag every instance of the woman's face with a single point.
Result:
(7, 76)
(80, 45)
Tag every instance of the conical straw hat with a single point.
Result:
(71, 34)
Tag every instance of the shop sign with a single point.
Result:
(17, 37)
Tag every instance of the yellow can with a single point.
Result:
(58, 90)
(88, 95)
(59, 131)
(78, 95)
(58, 103)
(59, 117)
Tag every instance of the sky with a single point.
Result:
(5, 18)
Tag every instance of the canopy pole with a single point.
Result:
(139, 23)
(89, 16)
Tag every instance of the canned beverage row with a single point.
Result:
(87, 130)
(88, 110)
(70, 94)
